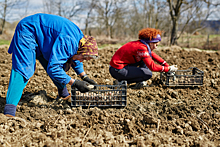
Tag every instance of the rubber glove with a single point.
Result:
(87, 79)
(82, 86)
(173, 68)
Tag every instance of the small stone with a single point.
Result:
(60, 111)
(179, 130)
(69, 111)
(217, 115)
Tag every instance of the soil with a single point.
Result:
(154, 116)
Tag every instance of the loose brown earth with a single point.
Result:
(154, 116)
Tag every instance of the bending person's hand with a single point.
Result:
(173, 68)
(87, 79)
(82, 86)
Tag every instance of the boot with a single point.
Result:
(139, 85)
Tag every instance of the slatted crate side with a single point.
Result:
(190, 77)
(101, 96)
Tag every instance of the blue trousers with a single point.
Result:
(17, 84)
(132, 73)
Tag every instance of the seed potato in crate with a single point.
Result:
(100, 96)
(189, 77)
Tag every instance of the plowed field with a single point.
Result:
(154, 116)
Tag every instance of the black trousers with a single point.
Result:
(132, 73)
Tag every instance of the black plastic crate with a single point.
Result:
(190, 77)
(100, 96)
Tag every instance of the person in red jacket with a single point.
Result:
(134, 61)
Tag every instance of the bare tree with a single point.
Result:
(146, 13)
(5, 8)
(109, 12)
(127, 17)
(91, 4)
(185, 11)
(133, 19)
(64, 8)
(49, 7)
(175, 11)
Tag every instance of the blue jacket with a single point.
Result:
(54, 37)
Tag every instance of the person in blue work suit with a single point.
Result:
(58, 44)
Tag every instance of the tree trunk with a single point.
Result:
(3, 26)
(86, 27)
(174, 32)
(111, 32)
(4, 17)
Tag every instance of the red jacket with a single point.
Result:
(135, 51)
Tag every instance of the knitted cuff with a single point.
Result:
(10, 109)
(63, 92)
(84, 76)
(163, 63)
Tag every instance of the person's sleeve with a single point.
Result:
(144, 55)
(77, 66)
(159, 60)
(63, 49)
